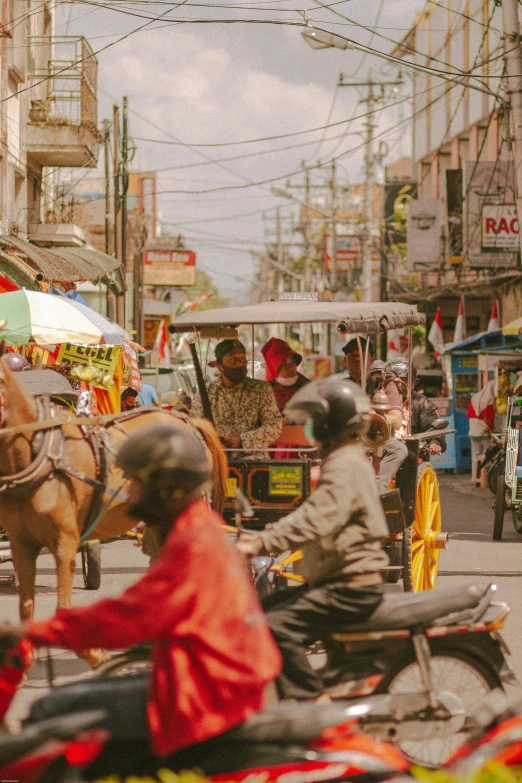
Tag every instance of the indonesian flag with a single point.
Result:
(160, 343)
(435, 335)
(494, 320)
(394, 344)
(459, 325)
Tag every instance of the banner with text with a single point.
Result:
(489, 228)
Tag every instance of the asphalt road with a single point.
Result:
(472, 557)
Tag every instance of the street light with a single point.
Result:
(320, 39)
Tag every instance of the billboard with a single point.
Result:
(348, 252)
(424, 228)
(490, 190)
(169, 267)
(500, 227)
(397, 196)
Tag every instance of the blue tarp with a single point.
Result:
(487, 341)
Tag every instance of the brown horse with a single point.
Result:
(49, 507)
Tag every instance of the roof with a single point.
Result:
(60, 264)
(513, 327)
(487, 342)
(46, 382)
(358, 317)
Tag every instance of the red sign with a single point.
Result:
(500, 226)
(169, 267)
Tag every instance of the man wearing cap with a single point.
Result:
(244, 409)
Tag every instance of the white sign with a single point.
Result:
(500, 226)
(487, 183)
(424, 227)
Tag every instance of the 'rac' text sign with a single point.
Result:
(500, 227)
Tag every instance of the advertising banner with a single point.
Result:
(348, 252)
(490, 190)
(424, 227)
(169, 267)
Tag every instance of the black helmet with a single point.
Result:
(16, 362)
(169, 455)
(398, 367)
(336, 406)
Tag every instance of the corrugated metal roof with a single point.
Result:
(61, 264)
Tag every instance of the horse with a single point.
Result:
(58, 483)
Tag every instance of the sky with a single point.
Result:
(193, 79)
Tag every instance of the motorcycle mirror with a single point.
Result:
(242, 504)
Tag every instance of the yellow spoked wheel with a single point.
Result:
(424, 539)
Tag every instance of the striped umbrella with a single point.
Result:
(33, 316)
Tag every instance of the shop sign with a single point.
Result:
(169, 267)
(424, 229)
(397, 197)
(488, 185)
(500, 226)
(130, 370)
(286, 480)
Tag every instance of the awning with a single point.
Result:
(487, 342)
(61, 264)
(513, 327)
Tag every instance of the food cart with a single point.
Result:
(276, 487)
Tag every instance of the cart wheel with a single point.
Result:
(91, 565)
(500, 508)
(517, 519)
(425, 534)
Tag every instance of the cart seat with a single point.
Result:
(407, 610)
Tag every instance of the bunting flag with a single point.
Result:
(459, 324)
(494, 320)
(435, 335)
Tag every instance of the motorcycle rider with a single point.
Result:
(212, 652)
(338, 528)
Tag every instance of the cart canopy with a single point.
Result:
(356, 317)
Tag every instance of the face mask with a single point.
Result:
(286, 381)
(235, 374)
(309, 432)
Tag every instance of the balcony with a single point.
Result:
(62, 123)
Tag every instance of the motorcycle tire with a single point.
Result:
(517, 520)
(500, 508)
(466, 670)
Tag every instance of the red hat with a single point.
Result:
(276, 352)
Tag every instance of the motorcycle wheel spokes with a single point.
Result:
(451, 674)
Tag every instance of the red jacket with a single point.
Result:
(212, 650)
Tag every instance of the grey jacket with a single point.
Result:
(339, 526)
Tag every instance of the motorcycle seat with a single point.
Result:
(410, 610)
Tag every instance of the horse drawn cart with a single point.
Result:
(276, 487)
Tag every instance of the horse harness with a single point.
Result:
(47, 447)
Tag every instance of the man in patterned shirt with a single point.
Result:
(244, 409)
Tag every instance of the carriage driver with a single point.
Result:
(339, 529)
(212, 651)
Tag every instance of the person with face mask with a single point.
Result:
(244, 409)
(281, 370)
(212, 651)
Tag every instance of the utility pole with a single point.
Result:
(370, 160)
(513, 63)
(107, 187)
(120, 300)
(333, 260)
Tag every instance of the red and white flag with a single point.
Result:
(435, 335)
(494, 320)
(394, 344)
(459, 325)
(161, 341)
